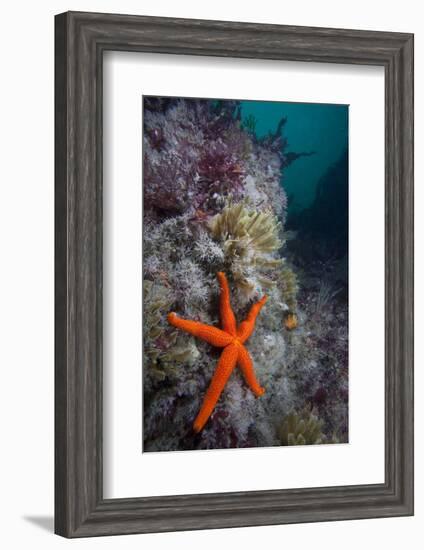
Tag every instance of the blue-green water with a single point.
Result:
(322, 128)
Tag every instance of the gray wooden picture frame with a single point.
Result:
(80, 40)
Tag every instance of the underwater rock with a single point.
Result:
(323, 226)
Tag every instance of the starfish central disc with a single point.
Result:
(231, 338)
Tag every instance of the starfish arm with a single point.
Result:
(246, 365)
(246, 327)
(223, 370)
(212, 335)
(228, 320)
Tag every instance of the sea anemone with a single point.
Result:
(303, 428)
(290, 322)
(248, 238)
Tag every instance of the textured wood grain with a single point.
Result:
(80, 509)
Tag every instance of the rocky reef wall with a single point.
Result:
(213, 201)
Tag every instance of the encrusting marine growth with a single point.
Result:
(231, 338)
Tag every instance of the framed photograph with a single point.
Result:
(234, 274)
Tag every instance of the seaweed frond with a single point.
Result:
(288, 285)
(249, 124)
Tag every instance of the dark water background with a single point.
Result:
(322, 128)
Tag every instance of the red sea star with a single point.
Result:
(231, 338)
